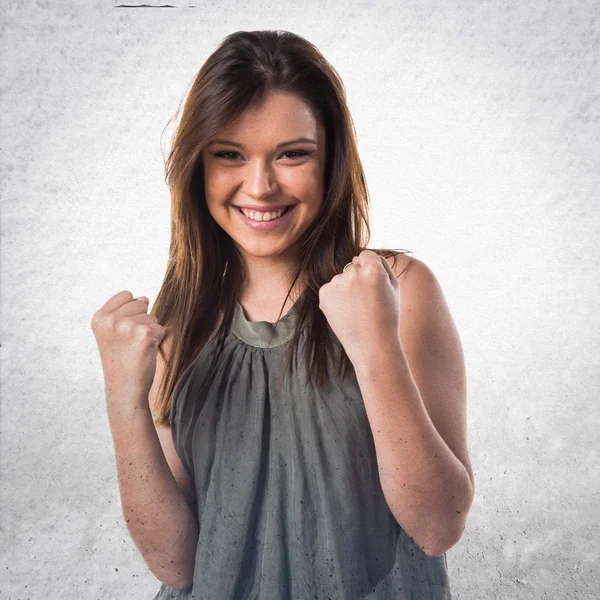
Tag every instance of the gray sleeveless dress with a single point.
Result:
(290, 505)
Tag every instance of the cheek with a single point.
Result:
(215, 185)
(305, 183)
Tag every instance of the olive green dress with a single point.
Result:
(290, 505)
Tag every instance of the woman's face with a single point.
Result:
(255, 163)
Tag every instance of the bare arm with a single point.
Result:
(157, 496)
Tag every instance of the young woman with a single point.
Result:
(289, 420)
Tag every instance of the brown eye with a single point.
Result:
(224, 154)
(299, 153)
(232, 155)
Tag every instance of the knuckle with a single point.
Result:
(101, 321)
(121, 326)
(145, 331)
(372, 271)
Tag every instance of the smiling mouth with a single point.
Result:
(287, 210)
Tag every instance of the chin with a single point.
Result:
(262, 252)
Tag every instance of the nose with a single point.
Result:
(260, 181)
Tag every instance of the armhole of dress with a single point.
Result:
(174, 415)
(178, 389)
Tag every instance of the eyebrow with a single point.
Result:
(280, 145)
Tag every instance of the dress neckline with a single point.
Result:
(264, 334)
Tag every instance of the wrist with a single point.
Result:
(124, 416)
(369, 360)
(125, 397)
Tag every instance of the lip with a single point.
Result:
(266, 225)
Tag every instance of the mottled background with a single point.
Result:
(478, 127)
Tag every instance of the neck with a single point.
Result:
(268, 281)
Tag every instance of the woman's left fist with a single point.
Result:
(362, 305)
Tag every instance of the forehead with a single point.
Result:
(280, 115)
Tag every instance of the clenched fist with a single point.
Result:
(128, 339)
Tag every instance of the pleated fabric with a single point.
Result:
(290, 505)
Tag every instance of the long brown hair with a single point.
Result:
(205, 270)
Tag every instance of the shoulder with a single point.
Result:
(427, 326)
(415, 276)
(399, 263)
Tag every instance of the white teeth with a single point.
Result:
(260, 216)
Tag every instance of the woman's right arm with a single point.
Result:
(157, 512)
(156, 493)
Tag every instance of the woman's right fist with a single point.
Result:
(127, 338)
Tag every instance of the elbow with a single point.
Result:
(175, 580)
(436, 535)
(174, 570)
(183, 584)
(442, 545)
(447, 535)
(435, 542)
(174, 566)
(449, 531)
(451, 528)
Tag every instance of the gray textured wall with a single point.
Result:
(478, 125)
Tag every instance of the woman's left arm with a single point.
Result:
(414, 390)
